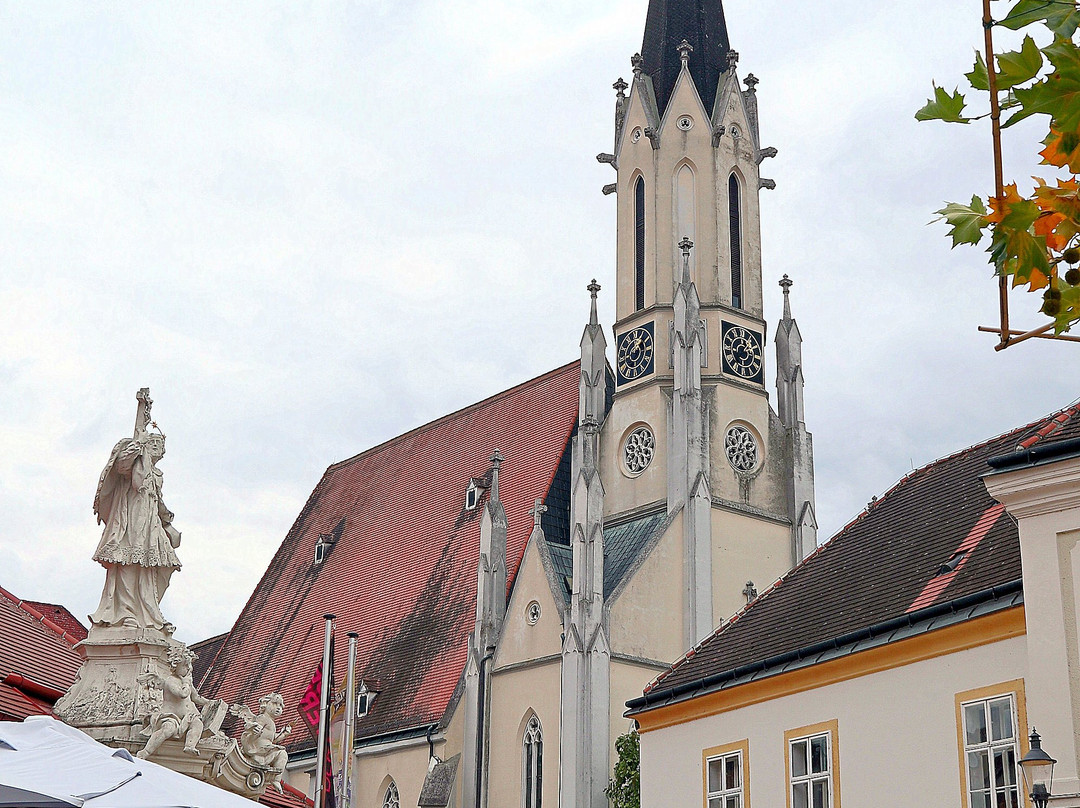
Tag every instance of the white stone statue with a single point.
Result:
(137, 547)
(181, 712)
(259, 740)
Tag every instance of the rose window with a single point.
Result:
(639, 450)
(741, 448)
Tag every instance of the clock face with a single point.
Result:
(635, 353)
(741, 352)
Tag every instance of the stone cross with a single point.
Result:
(620, 87)
(751, 81)
(636, 65)
(732, 59)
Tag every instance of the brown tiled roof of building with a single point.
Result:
(37, 660)
(935, 537)
(61, 617)
(205, 651)
(402, 562)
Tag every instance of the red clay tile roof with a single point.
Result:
(292, 798)
(61, 617)
(37, 660)
(884, 564)
(205, 651)
(402, 569)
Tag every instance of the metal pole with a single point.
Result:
(350, 722)
(324, 714)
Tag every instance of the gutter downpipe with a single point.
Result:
(480, 723)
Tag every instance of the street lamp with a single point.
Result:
(1037, 767)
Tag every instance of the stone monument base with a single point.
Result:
(114, 698)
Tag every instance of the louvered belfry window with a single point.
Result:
(639, 244)
(735, 221)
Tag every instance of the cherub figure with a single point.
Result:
(179, 715)
(259, 740)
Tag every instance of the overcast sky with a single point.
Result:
(309, 227)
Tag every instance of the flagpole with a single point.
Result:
(350, 722)
(324, 715)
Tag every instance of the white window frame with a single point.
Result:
(989, 747)
(830, 775)
(721, 797)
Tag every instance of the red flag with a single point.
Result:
(309, 709)
(309, 703)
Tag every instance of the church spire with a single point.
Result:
(700, 23)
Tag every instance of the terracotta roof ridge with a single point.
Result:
(456, 414)
(38, 617)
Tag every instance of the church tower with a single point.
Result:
(691, 430)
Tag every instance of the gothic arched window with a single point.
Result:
(639, 244)
(735, 222)
(391, 799)
(532, 764)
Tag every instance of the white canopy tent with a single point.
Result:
(63, 766)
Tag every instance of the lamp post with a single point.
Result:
(1037, 768)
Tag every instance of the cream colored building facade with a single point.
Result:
(930, 706)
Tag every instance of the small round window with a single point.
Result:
(635, 136)
(685, 123)
(532, 613)
(741, 448)
(639, 450)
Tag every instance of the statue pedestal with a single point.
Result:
(113, 700)
(108, 700)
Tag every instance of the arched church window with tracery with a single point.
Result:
(735, 227)
(639, 244)
(532, 763)
(391, 799)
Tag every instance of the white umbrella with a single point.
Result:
(46, 757)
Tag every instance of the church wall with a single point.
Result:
(738, 156)
(896, 732)
(628, 680)
(374, 767)
(621, 491)
(646, 620)
(519, 640)
(515, 695)
(745, 548)
(765, 488)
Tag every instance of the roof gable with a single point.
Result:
(402, 571)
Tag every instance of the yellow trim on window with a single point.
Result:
(1015, 688)
(715, 751)
(995, 627)
(832, 728)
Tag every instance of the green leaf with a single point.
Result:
(966, 222)
(1017, 67)
(1061, 16)
(1069, 312)
(979, 77)
(1058, 95)
(943, 107)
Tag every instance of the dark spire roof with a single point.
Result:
(699, 22)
